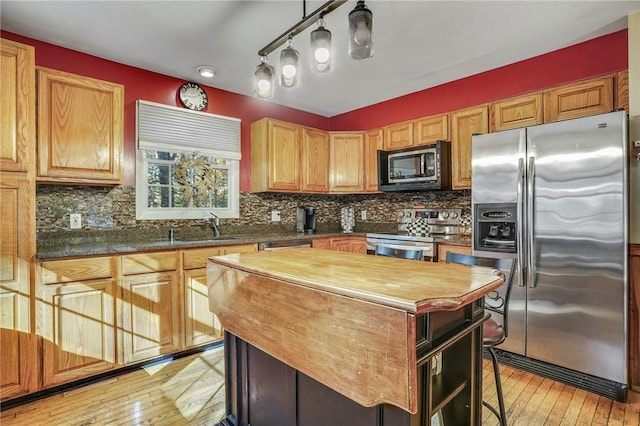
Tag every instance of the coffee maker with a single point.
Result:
(306, 219)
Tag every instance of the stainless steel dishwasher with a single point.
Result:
(284, 244)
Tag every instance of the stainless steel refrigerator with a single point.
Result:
(555, 197)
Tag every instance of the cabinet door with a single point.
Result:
(373, 141)
(80, 129)
(18, 367)
(347, 162)
(444, 248)
(315, 161)
(202, 326)
(516, 112)
(622, 90)
(77, 328)
(589, 97)
(358, 245)
(398, 135)
(340, 244)
(150, 315)
(464, 123)
(322, 243)
(275, 156)
(634, 315)
(17, 106)
(431, 129)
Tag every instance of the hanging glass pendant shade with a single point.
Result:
(264, 79)
(360, 32)
(289, 69)
(321, 48)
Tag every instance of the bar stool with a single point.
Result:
(391, 251)
(493, 332)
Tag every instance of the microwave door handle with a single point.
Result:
(423, 159)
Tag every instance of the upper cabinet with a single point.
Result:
(346, 169)
(431, 129)
(315, 160)
(622, 90)
(581, 99)
(373, 141)
(80, 129)
(516, 112)
(464, 124)
(17, 106)
(398, 135)
(275, 156)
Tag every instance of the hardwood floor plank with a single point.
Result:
(519, 406)
(588, 409)
(560, 406)
(573, 410)
(539, 417)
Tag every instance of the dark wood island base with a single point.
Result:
(293, 360)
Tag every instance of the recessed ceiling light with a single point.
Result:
(207, 71)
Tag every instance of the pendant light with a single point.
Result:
(289, 69)
(264, 79)
(321, 48)
(360, 30)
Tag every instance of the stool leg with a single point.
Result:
(502, 416)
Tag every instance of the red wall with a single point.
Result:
(599, 56)
(150, 86)
(603, 55)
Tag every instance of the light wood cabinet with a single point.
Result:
(455, 248)
(349, 244)
(516, 112)
(634, 316)
(622, 90)
(581, 99)
(431, 129)
(464, 124)
(275, 156)
(149, 309)
(373, 141)
(76, 318)
(399, 135)
(17, 104)
(80, 129)
(201, 325)
(321, 243)
(346, 169)
(315, 160)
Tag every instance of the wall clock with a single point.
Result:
(193, 96)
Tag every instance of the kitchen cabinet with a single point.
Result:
(373, 141)
(634, 317)
(19, 368)
(464, 124)
(76, 323)
(201, 325)
(149, 310)
(431, 129)
(581, 99)
(622, 90)
(322, 243)
(80, 129)
(17, 99)
(516, 112)
(275, 156)
(399, 135)
(349, 244)
(346, 169)
(315, 160)
(455, 248)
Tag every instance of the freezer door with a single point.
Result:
(576, 306)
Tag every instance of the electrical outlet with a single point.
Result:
(363, 215)
(75, 221)
(636, 144)
(275, 216)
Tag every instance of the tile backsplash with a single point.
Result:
(113, 208)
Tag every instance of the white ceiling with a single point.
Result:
(418, 44)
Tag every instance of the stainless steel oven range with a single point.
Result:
(443, 224)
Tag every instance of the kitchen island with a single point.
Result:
(317, 337)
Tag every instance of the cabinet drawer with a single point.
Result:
(197, 258)
(240, 248)
(62, 271)
(149, 262)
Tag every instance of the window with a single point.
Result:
(186, 167)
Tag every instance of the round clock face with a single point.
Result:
(193, 96)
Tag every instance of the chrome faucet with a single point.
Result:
(214, 224)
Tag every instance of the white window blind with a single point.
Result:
(167, 128)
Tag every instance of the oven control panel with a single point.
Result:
(441, 221)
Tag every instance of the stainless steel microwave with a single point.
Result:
(414, 169)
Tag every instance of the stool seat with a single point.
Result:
(492, 333)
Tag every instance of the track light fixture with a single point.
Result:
(360, 46)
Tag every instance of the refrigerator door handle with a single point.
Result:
(531, 274)
(520, 222)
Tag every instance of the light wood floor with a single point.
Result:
(190, 391)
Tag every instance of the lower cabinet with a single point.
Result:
(455, 248)
(348, 244)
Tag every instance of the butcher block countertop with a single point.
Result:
(409, 285)
(347, 320)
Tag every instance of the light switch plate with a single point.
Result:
(275, 216)
(75, 221)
